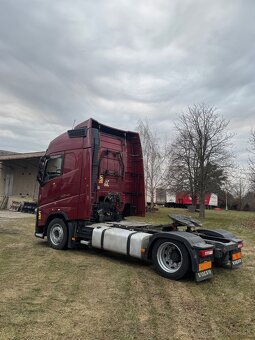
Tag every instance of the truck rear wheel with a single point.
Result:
(57, 234)
(170, 259)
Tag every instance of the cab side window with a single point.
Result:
(70, 162)
(53, 167)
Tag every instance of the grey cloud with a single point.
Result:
(121, 61)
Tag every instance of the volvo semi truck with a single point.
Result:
(91, 178)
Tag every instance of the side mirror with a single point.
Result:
(39, 179)
(40, 175)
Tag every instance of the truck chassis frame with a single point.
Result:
(172, 251)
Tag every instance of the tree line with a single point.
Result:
(198, 160)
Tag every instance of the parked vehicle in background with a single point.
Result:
(184, 200)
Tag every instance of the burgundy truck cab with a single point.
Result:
(93, 173)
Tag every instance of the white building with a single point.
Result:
(18, 173)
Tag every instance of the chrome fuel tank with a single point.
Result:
(121, 241)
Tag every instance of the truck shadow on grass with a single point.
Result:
(118, 259)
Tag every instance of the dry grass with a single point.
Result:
(87, 294)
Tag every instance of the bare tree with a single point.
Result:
(201, 145)
(239, 186)
(183, 168)
(155, 155)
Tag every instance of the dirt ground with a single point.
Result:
(88, 294)
(7, 214)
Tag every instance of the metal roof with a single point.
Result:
(27, 155)
(6, 153)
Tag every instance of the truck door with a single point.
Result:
(71, 179)
(52, 180)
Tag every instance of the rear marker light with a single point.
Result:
(236, 256)
(205, 252)
(240, 245)
(204, 266)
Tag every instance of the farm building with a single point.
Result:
(18, 173)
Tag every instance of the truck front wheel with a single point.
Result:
(170, 259)
(57, 234)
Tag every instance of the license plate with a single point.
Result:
(204, 275)
(236, 263)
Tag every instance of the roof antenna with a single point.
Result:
(73, 123)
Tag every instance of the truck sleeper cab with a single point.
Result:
(90, 178)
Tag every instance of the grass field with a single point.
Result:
(88, 294)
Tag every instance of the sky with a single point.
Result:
(119, 61)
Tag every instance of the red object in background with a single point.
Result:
(185, 199)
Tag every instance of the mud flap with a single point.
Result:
(236, 263)
(204, 275)
(236, 260)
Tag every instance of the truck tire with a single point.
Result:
(170, 259)
(57, 234)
